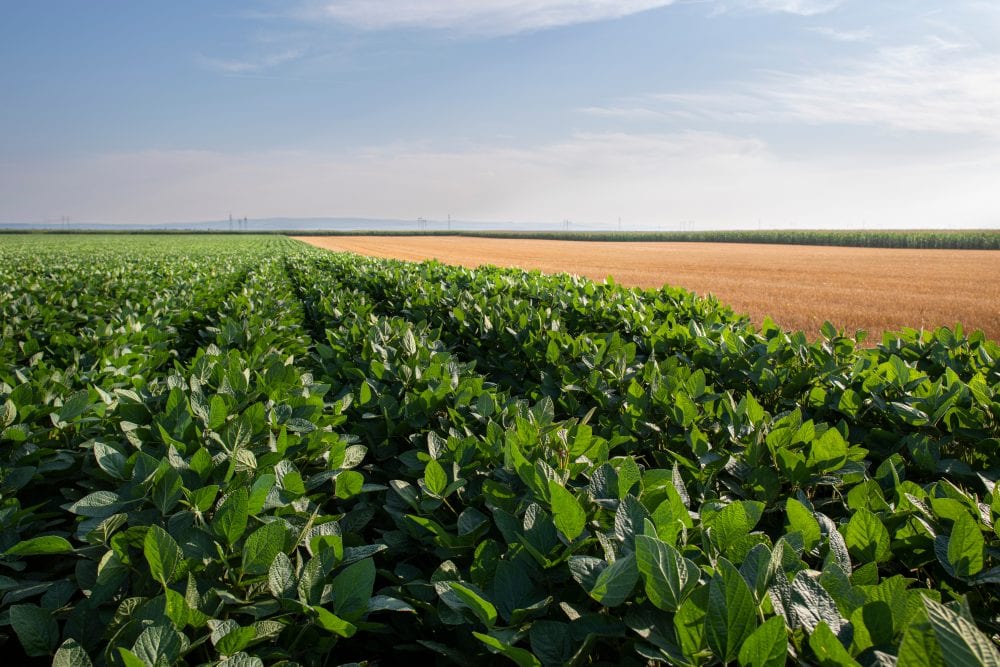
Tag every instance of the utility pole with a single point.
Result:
(449, 222)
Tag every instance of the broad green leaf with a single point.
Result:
(528, 473)
(218, 412)
(482, 608)
(230, 520)
(567, 513)
(386, 603)
(689, 622)
(671, 516)
(364, 394)
(333, 623)
(756, 569)
(615, 583)
(130, 659)
(838, 552)
(36, 628)
(202, 499)
(512, 590)
(8, 413)
(71, 654)
(965, 546)
(920, 647)
(828, 452)
(192, 599)
(630, 519)
(281, 577)
(962, 643)
(163, 555)
(97, 504)
(435, 478)
(349, 484)
(201, 462)
(732, 612)
(867, 538)
(767, 646)
(848, 597)
(628, 475)
(811, 604)
(802, 520)
(258, 493)
(669, 577)
(158, 645)
(110, 459)
(352, 589)
(406, 491)
(45, 545)
(262, 546)
(872, 624)
(518, 655)
(176, 608)
(74, 406)
(733, 522)
(292, 483)
(827, 648)
(236, 640)
(552, 642)
(167, 490)
(242, 660)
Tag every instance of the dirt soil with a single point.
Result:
(799, 287)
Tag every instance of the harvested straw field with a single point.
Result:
(799, 287)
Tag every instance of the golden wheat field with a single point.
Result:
(799, 287)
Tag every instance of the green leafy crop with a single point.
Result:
(245, 451)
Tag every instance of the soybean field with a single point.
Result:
(247, 451)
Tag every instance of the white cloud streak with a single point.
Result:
(252, 65)
(936, 87)
(799, 7)
(622, 113)
(499, 17)
(712, 179)
(860, 35)
(481, 16)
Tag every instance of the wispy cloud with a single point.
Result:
(482, 16)
(935, 86)
(252, 65)
(859, 35)
(799, 7)
(513, 16)
(622, 113)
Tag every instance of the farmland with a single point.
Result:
(248, 451)
(800, 287)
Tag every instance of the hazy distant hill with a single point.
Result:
(315, 224)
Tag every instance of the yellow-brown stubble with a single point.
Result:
(799, 287)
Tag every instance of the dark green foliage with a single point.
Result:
(247, 452)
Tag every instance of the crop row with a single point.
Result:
(970, 239)
(326, 459)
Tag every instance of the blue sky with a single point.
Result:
(696, 114)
